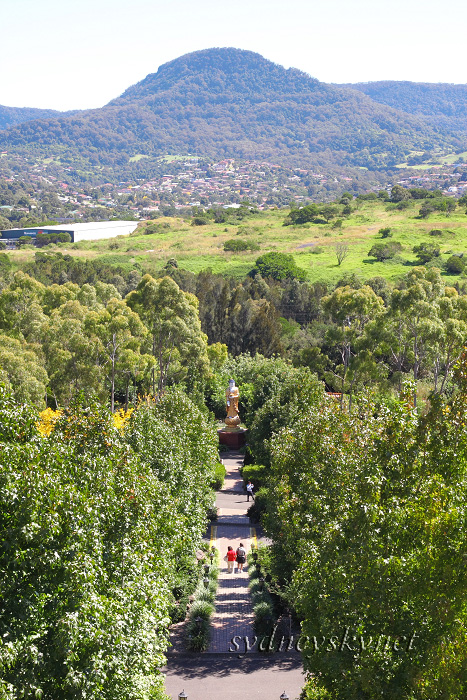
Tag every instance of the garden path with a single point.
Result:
(224, 670)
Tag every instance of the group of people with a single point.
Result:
(233, 556)
(239, 555)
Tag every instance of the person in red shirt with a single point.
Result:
(231, 556)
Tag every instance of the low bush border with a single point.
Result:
(198, 629)
(263, 604)
(219, 476)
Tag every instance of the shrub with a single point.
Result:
(404, 204)
(262, 610)
(455, 265)
(425, 210)
(202, 608)
(263, 604)
(259, 505)
(197, 634)
(255, 473)
(385, 232)
(436, 232)
(205, 594)
(425, 252)
(385, 251)
(219, 477)
(234, 245)
(313, 690)
(198, 626)
(278, 266)
(199, 221)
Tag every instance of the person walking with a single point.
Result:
(241, 557)
(231, 557)
(249, 491)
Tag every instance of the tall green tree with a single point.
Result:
(121, 334)
(178, 345)
(411, 330)
(350, 310)
(75, 359)
(367, 519)
(16, 300)
(23, 371)
(87, 568)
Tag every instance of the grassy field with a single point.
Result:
(312, 245)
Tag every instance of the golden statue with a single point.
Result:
(231, 405)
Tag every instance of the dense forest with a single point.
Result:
(9, 116)
(232, 103)
(440, 104)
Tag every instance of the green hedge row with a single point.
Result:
(256, 473)
(219, 476)
(263, 604)
(198, 631)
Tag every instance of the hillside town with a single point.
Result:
(34, 193)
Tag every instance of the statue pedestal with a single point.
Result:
(235, 438)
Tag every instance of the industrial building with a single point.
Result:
(90, 231)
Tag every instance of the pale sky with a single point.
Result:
(80, 54)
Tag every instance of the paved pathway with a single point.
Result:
(234, 612)
(220, 672)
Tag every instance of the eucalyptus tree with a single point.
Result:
(450, 343)
(171, 316)
(57, 294)
(23, 370)
(16, 300)
(121, 334)
(350, 310)
(74, 359)
(412, 328)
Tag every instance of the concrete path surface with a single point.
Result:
(254, 677)
(222, 671)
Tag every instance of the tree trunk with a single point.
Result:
(127, 393)
(112, 397)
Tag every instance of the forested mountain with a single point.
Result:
(9, 116)
(232, 103)
(440, 104)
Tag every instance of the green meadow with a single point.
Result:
(313, 245)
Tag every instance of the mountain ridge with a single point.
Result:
(443, 105)
(227, 102)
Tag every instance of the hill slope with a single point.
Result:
(232, 103)
(9, 116)
(440, 104)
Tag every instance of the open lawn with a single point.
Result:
(313, 245)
